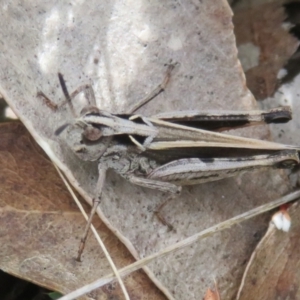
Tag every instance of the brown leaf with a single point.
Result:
(40, 227)
(273, 271)
(260, 27)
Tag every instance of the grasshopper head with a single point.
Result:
(87, 144)
(84, 139)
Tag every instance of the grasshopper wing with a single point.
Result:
(173, 135)
(226, 120)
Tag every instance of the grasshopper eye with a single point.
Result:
(92, 134)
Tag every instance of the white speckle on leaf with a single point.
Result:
(145, 34)
(281, 73)
(287, 26)
(175, 43)
(282, 221)
(248, 55)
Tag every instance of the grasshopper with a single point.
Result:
(170, 150)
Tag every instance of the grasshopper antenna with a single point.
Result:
(61, 128)
(62, 82)
(68, 97)
(66, 93)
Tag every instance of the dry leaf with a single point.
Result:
(264, 45)
(273, 271)
(124, 59)
(40, 226)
